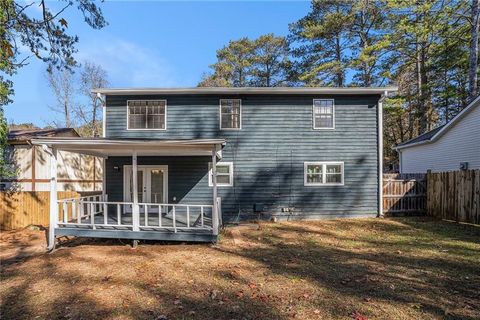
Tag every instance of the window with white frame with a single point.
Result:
(230, 114)
(323, 173)
(323, 114)
(224, 174)
(147, 114)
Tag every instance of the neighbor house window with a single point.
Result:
(323, 114)
(147, 114)
(323, 173)
(230, 114)
(224, 174)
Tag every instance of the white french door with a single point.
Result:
(152, 182)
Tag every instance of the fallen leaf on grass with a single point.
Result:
(357, 316)
(252, 285)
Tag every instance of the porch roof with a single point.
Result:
(105, 147)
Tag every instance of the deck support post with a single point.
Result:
(214, 184)
(53, 199)
(135, 207)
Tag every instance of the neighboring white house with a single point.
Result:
(31, 164)
(453, 146)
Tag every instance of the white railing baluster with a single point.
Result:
(80, 212)
(92, 214)
(119, 216)
(159, 215)
(74, 210)
(105, 213)
(65, 211)
(188, 216)
(174, 219)
(201, 216)
(146, 215)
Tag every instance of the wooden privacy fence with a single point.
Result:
(404, 193)
(454, 195)
(21, 209)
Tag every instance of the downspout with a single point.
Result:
(380, 154)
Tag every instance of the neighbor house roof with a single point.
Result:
(22, 135)
(436, 133)
(247, 90)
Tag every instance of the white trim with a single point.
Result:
(324, 173)
(104, 121)
(446, 127)
(160, 129)
(333, 115)
(230, 165)
(380, 153)
(126, 181)
(220, 115)
(246, 90)
(53, 197)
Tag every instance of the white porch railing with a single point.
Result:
(95, 212)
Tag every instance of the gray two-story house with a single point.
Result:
(180, 162)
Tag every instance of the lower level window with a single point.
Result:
(224, 174)
(323, 173)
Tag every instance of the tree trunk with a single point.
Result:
(338, 53)
(473, 58)
(67, 116)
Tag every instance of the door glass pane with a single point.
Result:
(139, 186)
(156, 195)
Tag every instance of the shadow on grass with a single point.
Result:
(375, 268)
(350, 262)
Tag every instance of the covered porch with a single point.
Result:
(144, 211)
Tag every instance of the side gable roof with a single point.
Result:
(436, 133)
(23, 135)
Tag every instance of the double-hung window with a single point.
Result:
(230, 114)
(224, 174)
(147, 114)
(323, 114)
(323, 173)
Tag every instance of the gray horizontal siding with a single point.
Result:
(269, 152)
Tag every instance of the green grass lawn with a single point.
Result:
(404, 268)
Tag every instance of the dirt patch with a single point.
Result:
(344, 269)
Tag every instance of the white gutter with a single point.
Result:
(247, 90)
(380, 153)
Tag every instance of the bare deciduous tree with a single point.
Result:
(91, 76)
(62, 84)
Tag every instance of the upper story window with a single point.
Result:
(147, 114)
(323, 174)
(230, 114)
(323, 114)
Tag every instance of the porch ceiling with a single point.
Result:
(102, 147)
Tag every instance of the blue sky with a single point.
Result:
(153, 44)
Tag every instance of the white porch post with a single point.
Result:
(214, 183)
(135, 207)
(53, 199)
(104, 180)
